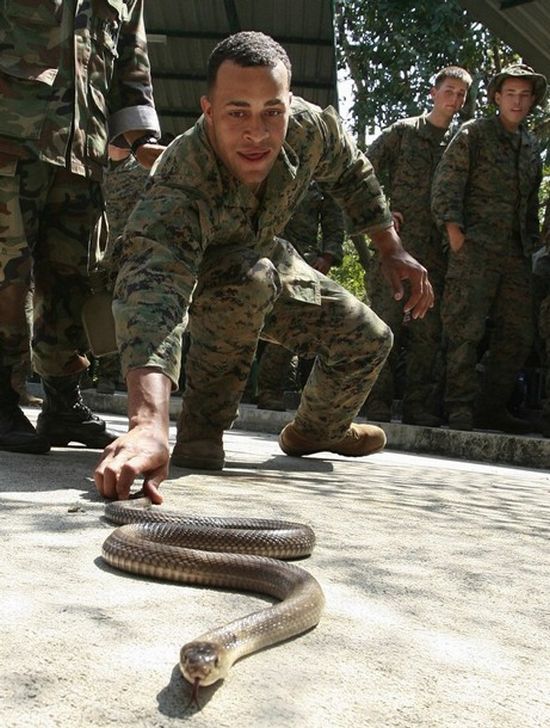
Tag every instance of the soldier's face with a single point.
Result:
(514, 100)
(247, 115)
(449, 97)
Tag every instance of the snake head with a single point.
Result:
(202, 663)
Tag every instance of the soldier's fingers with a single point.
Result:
(151, 491)
(394, 279)
(418, 305)
(154, 470)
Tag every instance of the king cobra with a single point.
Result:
(240, 553)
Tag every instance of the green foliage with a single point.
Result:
(393, 48)
(350, 273)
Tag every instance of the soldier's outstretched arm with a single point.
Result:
(143, 450)
(397, 266)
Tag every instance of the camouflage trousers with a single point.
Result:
(229, 314)
(276, 370)
(482, 286)
(421, 339)
(46, 215)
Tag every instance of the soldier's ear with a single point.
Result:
(206, 108)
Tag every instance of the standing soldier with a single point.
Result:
(485, 196)
(404, 157)
(73, 73)
(316, 230)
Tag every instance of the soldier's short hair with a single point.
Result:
(248, 48)
(455, 72)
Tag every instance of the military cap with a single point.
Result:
(518, 70)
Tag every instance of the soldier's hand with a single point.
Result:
(141, 451)
(147, 154)
(455, 235)
(398, 266)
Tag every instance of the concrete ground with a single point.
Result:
(435, 571)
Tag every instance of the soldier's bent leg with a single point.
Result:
(350, 345)
(227, 314)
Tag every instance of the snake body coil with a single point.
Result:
(224, 552)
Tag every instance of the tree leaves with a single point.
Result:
(394, 47)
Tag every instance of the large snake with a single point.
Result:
(224, 552)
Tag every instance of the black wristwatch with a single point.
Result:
(141, 140)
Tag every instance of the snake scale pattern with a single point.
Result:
(237, 553)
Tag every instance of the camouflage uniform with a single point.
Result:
(315, 228)
(123, 185)
(487, 182)
(71, 73)
(198, 225)
(404, 157)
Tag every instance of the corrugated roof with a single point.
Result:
(183, 33)
(523, 24)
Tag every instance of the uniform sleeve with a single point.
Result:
(131, 99)
(332, 228)
(157, 259)
(450, 180)
(349, 177)
(383, 154)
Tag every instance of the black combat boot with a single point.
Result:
(65, 417)
(16, 432)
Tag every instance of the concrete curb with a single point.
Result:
(524, 451)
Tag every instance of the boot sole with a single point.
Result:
(28, 450)
(302, 453)
(181, 461)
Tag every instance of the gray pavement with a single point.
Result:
(435, 571)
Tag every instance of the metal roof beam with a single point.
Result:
(517, 27)
(210, 35)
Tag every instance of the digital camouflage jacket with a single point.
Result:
(488, 182)
(317, 226)
(404, 157)
(72, 73)
(195, 216)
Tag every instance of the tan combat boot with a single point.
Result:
(198, 447)
(359, 440)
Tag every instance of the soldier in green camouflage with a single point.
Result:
(208, 227)
(485, 196)
(72, 74)
(404, 157)
(316, 230)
